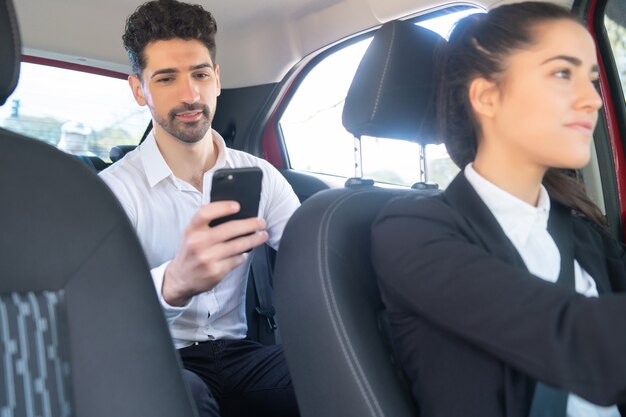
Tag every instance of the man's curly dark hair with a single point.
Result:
(164, 20)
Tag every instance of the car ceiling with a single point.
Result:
(258, 41)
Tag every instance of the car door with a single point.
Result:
(605, 177)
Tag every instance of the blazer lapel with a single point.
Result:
(463, 198)
(592, 260)
(580, 247)
(561, 229)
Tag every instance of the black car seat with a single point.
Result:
(81, 330)
(327, 298)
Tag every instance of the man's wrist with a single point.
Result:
(171, 295)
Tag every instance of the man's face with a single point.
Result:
(180, 85)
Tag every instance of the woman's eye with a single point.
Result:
(564, 74)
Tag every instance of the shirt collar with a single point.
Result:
(156, 168)
(517, 218)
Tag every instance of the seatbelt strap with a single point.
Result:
(145, 132)
(262, 273)
(550, 401)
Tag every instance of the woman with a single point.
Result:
(469, 278)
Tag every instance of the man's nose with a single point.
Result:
(190, 92)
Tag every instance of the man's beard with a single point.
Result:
(188, 132)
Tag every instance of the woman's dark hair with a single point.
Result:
(164, 20)
(478, 47)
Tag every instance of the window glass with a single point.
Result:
(615, 24)
(316, 140)
(80, 113)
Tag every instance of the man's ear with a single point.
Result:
(135, 86)
(217, 78)
(484, 96)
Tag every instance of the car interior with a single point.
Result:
(324, 279)
(81, 324)
(72, 270)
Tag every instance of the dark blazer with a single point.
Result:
(474, 330)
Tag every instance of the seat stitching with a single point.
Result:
(336, 319)
(384, 74)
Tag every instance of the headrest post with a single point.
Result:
(358, 158)
(423, 170)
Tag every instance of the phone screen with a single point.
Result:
(238, 184)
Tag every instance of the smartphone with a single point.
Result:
(238, 184)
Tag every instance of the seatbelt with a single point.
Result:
(550, 401)
(145, 132)
(262, 274)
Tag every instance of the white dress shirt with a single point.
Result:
(160, 206)
(526, 226)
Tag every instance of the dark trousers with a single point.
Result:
(246, 378)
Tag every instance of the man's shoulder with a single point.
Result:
(130, 161)
(126, 169)
(238, 158)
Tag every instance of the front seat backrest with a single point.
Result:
(327, 297)
(81, 330)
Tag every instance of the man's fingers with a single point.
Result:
(244, 243)
(237, 246)
(235, 228)
(212, 211)
(227, 239)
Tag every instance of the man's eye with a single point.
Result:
(165, 80)
(202, 75)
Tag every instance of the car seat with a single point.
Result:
(81, 330)
(326, 294)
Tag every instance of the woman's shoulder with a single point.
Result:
(433, 216)
(586, 230)
(417, 205)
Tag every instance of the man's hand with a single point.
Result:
(207, 254)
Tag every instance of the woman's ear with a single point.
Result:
(484, 96)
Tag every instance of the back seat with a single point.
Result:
(259, 307)
(93, 162)
(118, 152)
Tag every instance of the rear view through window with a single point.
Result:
(80, 113)
(317, 142)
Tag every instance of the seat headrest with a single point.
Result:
(392, 93)
(117, 152)
(10, 53)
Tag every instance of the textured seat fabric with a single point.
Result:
(327, 298)
(81, 330)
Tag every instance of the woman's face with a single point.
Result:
(547, 105)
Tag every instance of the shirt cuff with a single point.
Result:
(171, 312)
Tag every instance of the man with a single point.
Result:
(200, 272)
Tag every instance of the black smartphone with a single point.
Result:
(238, 184)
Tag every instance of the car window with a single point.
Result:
(78, 112)
(614, 22)
(316, 140)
